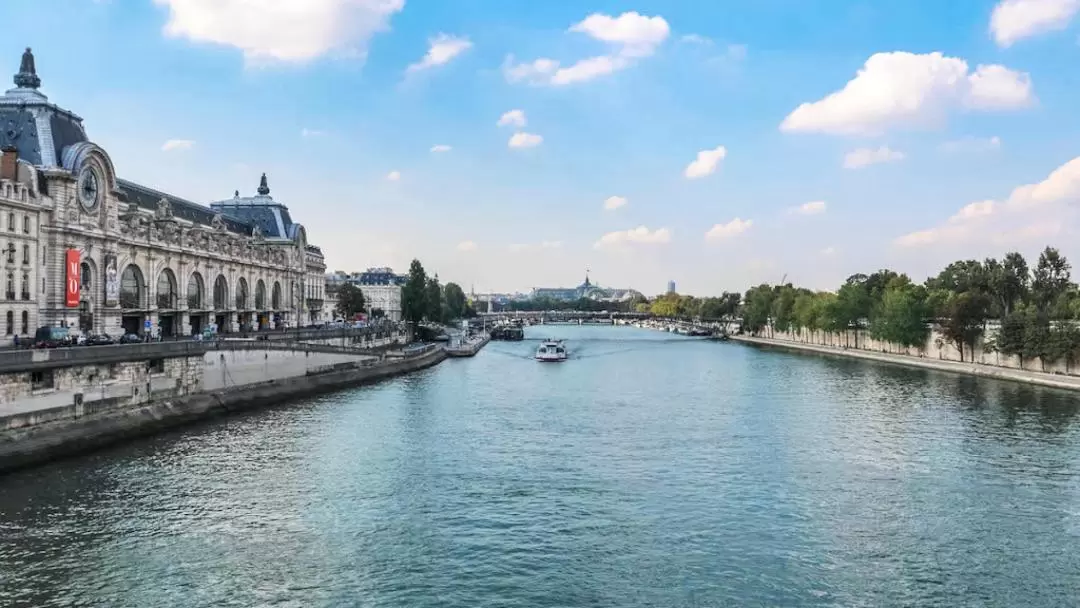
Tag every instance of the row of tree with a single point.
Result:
(1036, 307)
(422, 299)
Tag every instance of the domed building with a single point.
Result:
(112, 256)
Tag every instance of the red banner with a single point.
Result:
(71, 297)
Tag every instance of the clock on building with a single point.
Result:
(89, 186)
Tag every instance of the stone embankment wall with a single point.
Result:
(47, 433)
(223, 369)
(936, 347)
(935, 356)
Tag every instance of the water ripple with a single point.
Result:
(649, 471)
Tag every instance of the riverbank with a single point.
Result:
(69, 430)
(955, 367)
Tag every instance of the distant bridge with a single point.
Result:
(576, 317)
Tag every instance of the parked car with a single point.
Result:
(130, 339)
(99, 340)
(53, 337)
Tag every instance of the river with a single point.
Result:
(649, 470)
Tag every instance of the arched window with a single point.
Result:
(25, 322)
(10, 252)
(25, 291)
(11, 226)
(260, 295)
(131, 287)
(26, 224)
(85, 276)
(195, 292)
(9, 293)
(241, 294)
(275, 298)
(221, 293)
(26, 254)
(10, 322)
(166, 290)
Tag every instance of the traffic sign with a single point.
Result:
(146, 324)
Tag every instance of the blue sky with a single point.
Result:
(901, 158)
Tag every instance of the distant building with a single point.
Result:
(380, 286)
(671, 286)
(588, 290)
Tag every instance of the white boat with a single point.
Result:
(551, 351)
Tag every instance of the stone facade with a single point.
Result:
(20, 221)
(380, 286)
(314, 287)
(148, 261)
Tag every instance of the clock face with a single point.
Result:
(89, 188)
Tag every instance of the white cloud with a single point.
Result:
(637, 34)
(828, 251)
(283, 30)
(512, 118)
(632, 35)
(705, 163)
(864, 157)
(176, 145)
(442, 49)
(466, 246)
(587, 69)
(974, 210)
(811, 208)
(733, 228)
(907, 89)
(614, 202)
(1029, 212)
(393, 176)
(1014, 20)
(311, 133)
(525, 140)
(972, 144)
(536, 72)
(635, 236)
(441, 148)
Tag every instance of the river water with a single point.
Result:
(649, 470)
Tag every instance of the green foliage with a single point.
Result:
(350, 300)
(414, 294)
(965, 321)
(1050, 280)
(783, 308)
(433, 304)
(900, 317)
(757, 307)
(454, 301)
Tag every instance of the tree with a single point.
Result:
(1010, 338)
(1050, 280)
(454, 301)
(350, 300)
(413, 294)
(433, 300)
(1007, 281)
(900, 317)
(757, 307)
(966, 318)
(783, 308)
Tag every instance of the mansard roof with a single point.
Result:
(147, 198)
(261, 210)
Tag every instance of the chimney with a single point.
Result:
(9, 164)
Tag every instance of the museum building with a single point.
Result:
(81, 247)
